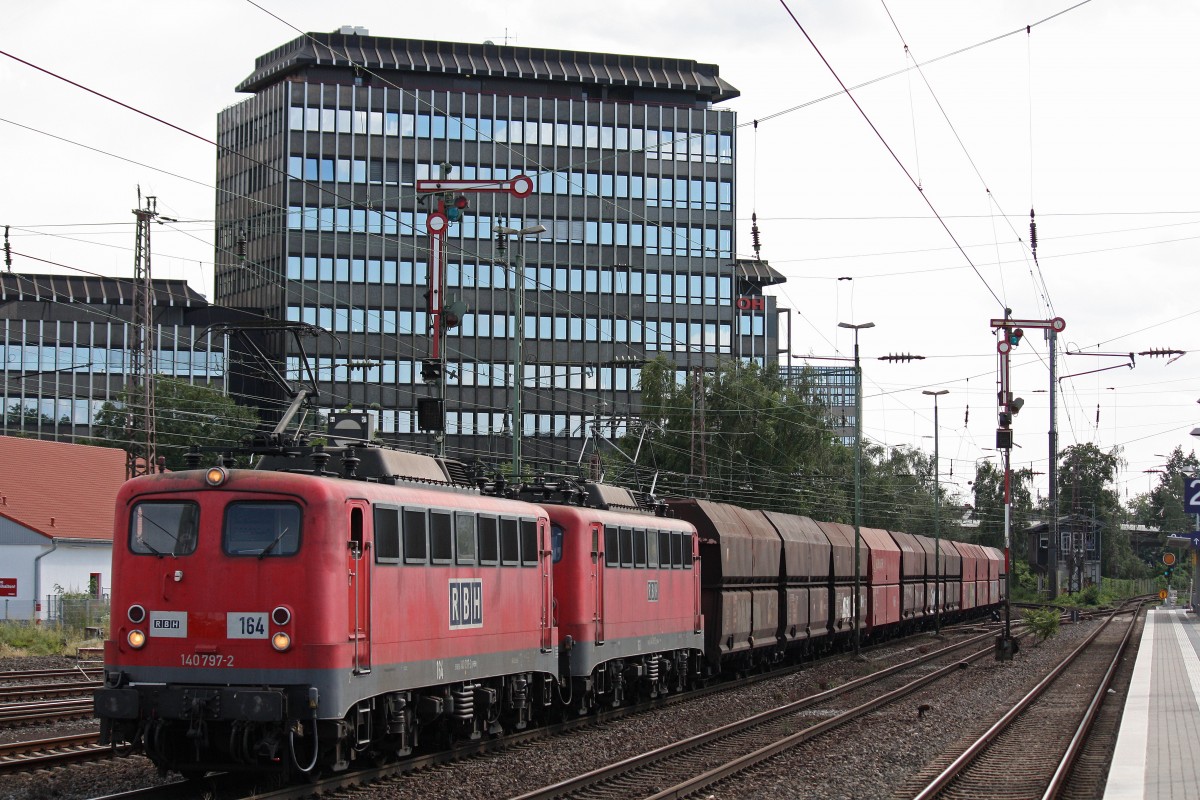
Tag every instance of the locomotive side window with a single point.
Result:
(639, 548)
(261, 529)
(489, 540)
(441, 543)
(387, 535)
(626, 547)
(161, 529)
(664, 549)
(510, 552)
(464, 537)
(651, 548)
(529, 543)
(611, 549)
(415, 548)
(676, 550)
(556, 542)
(686, 554)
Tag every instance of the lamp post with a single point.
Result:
(937, 508)
(518, 348)
(857, 482)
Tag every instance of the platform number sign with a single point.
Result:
(1191, 494)
(466, 603)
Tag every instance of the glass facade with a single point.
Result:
(634, 184)
(60, 366)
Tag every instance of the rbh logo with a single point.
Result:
(751, 304)
(466, 603)
(165, 624)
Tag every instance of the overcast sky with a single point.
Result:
(1091, 119)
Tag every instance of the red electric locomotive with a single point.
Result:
(627, 599)
(272, 619)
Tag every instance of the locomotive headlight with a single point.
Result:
(281, 641)
(215, 476)
(136, 639)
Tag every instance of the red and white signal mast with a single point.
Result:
(1011, 332)
(452, 204)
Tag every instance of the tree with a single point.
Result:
(989, 502)
(1162, 506)
(185, 414)
(1085, 487)
(765, 440)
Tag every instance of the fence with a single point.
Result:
(73, 611)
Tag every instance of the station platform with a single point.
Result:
(1155, 756)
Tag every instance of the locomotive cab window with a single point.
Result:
(610, 547)
(687, 551)
(441, 543)
(261, 529)
(164, 529)
(529, 543)
(464, 537)
(556, 542)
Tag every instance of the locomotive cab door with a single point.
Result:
(597, 531)
(358, 568)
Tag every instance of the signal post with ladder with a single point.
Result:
(1011, 331)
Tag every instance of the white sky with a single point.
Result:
(1092, 119)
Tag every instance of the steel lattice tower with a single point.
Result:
(139, 386)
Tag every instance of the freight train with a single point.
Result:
(357, 604)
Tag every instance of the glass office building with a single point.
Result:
(633, 170)
(65, 347)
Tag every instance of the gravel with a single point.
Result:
(870, 758)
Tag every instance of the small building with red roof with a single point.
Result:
(57, 506)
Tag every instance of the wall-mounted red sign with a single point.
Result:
(8, 587)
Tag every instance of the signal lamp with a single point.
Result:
(456, 209)
(1014, 336)
(215, 476)
(136, 639)
(281, 615)
(281, 641)
(136, 614)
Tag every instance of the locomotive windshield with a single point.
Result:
(163, 529)
(261, 529)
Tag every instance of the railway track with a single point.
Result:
(41, 753)
(20, 676)
(9, 694)
(1035, 745)
(16, 714)
(690, 765)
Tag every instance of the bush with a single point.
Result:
(1042, 622)
(18, 638)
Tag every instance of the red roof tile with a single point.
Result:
(60, 490)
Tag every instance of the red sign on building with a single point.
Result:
(8, 587)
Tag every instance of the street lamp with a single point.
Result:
(518, 348)
(937, 509)
(857, 481)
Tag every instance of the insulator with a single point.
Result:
(967, 416)
(1033, 235)
(754, 236)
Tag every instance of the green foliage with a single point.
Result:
(34, 640)
(765, 442)
(1042, 622)
(989, 502)
(185, 414)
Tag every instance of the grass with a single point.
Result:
(19, 639)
